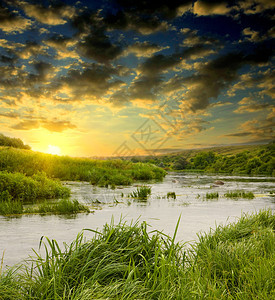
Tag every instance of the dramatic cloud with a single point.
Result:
(81, 63)
(92, 83)
(10, 22)
(53, 126)
(97, 46)
(209, 7)
(145, 49)
(51, 15)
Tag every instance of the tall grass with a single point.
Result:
(123, 261)
(210, 196)
(18, 187)
(63, 206)
(239, 194)
(141, 193)
(98, 172)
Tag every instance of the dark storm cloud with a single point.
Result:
(145, 87)
(7, 59)
(97, 46)
(143, 24)
(150, 82)
(219, 73)
(93, 82)
(167, 9)
(94, 43)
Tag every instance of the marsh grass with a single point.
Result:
(11, 207)
(239, 194)
(123, 261)
(171, 195)
(27, 189)
(97, 172)
(210, 196)
(141, 193)
(63, 206)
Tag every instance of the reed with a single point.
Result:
(123, 261)
(141, 193)
(239, 194)
(19, 187)
(171, 195)
(213, 195)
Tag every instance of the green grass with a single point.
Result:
(141, 193)
(18, 187)
(239, 194)
(123, 261)
(171, 195)
(213, 195)
(98, 172)
(63, 206)
(11, 208)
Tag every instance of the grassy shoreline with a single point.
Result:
(98, 172)
(235, 261)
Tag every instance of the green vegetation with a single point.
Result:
(259, 159)
(12, 142)
(171, 195)
(9, 207)
(98, 172)
(213, 195)
(236, 261)
(64, 206)
(239, 194)
(142, 193)
(17, 186)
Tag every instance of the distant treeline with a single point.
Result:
(12, 142)
(258, 160)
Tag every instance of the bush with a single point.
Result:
(17, 186)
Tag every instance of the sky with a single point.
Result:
(128, 77)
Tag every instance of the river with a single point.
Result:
(18, 235)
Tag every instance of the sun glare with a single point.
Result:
(54, 150)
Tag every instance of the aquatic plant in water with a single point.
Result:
(214, 195)
(142, 193)
(239, 194)
(171, 195)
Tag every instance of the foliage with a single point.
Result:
(98, 172)
(239, 194)
(233, 160)
(142, 193)
(63, 206)
(17, 186)
(235, 261)
(11, 208)
(213, 195)
(12, 142)
(171, 195)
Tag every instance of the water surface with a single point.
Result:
(18, 235)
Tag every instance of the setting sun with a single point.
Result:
(54, 150)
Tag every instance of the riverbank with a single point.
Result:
(128, 262)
